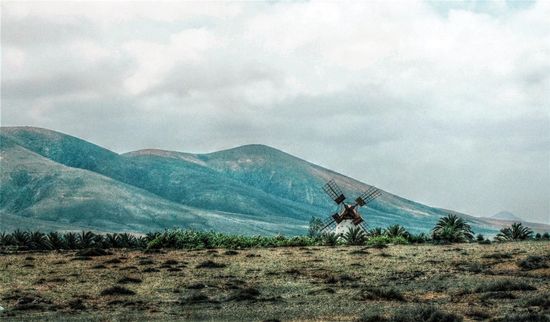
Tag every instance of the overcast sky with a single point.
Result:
(447, 104)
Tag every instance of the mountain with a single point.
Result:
(53, 180)
(506, 215)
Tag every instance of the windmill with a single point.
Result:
(348, 215)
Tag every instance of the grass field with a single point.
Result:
(505, 281)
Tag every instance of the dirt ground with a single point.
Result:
(474, 282)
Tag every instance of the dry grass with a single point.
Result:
(315, 283)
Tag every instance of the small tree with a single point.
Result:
(396, 231)
(355, 236)
(452, 229)
(71, 240)
(315, 226)
(330, 239)
(376, 232)
(515, 232)
(55, 240)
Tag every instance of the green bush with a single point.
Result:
(516, 231)
(452, 229)
(384, 240)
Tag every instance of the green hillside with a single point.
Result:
(62, 180)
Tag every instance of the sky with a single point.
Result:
(444, 103)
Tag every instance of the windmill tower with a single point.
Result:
(348, 215)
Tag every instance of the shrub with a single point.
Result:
(210, 264)
(195, 298)
(389, 294)
(244, 294)
(396, 230)
(330, 239)
(498, 256)
(355, 236)
(418, 239)
(379, 242)
(515, 232)
(424, 313)
(400, 240)
(117, 290)
(315, 226)
(92, 252)
(129, 280)
(376, 232)
(524, 317)
(372, 317)
(452, 229)
(382, 241)
(504, 286)
(533, 262)
(540, 301)
(56, 240)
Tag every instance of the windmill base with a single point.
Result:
(344, 226)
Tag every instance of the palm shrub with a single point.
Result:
(515, 232)
(418, 238)
(98, 240)
(375, 232)
(55, 240)
(38, 240)
(151, 235)
(355, 236)
(71, 240)
(86, 239)
(396, 231)
(452, 229)
(111, 240)
(6, 239)
(20, 238)
(329, 239)
(126, 240)
(379, 241)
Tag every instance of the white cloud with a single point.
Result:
(438, 102)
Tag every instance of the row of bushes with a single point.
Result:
(36, 240)
(178, 239)
(449, 229)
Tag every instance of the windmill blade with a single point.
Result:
(374, 196)
(334, 192)
(368, 196)
(328, 224)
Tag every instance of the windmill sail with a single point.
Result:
(368, 196)
(328, 224)
(334, 192)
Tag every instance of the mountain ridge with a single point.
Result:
(252, 188)
(506, 215)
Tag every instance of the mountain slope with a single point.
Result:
(250, 189)
(290, 178)
(174, 179)
(37, 192)
(506, 215)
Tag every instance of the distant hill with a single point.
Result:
(52, 180)
(506, 215)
